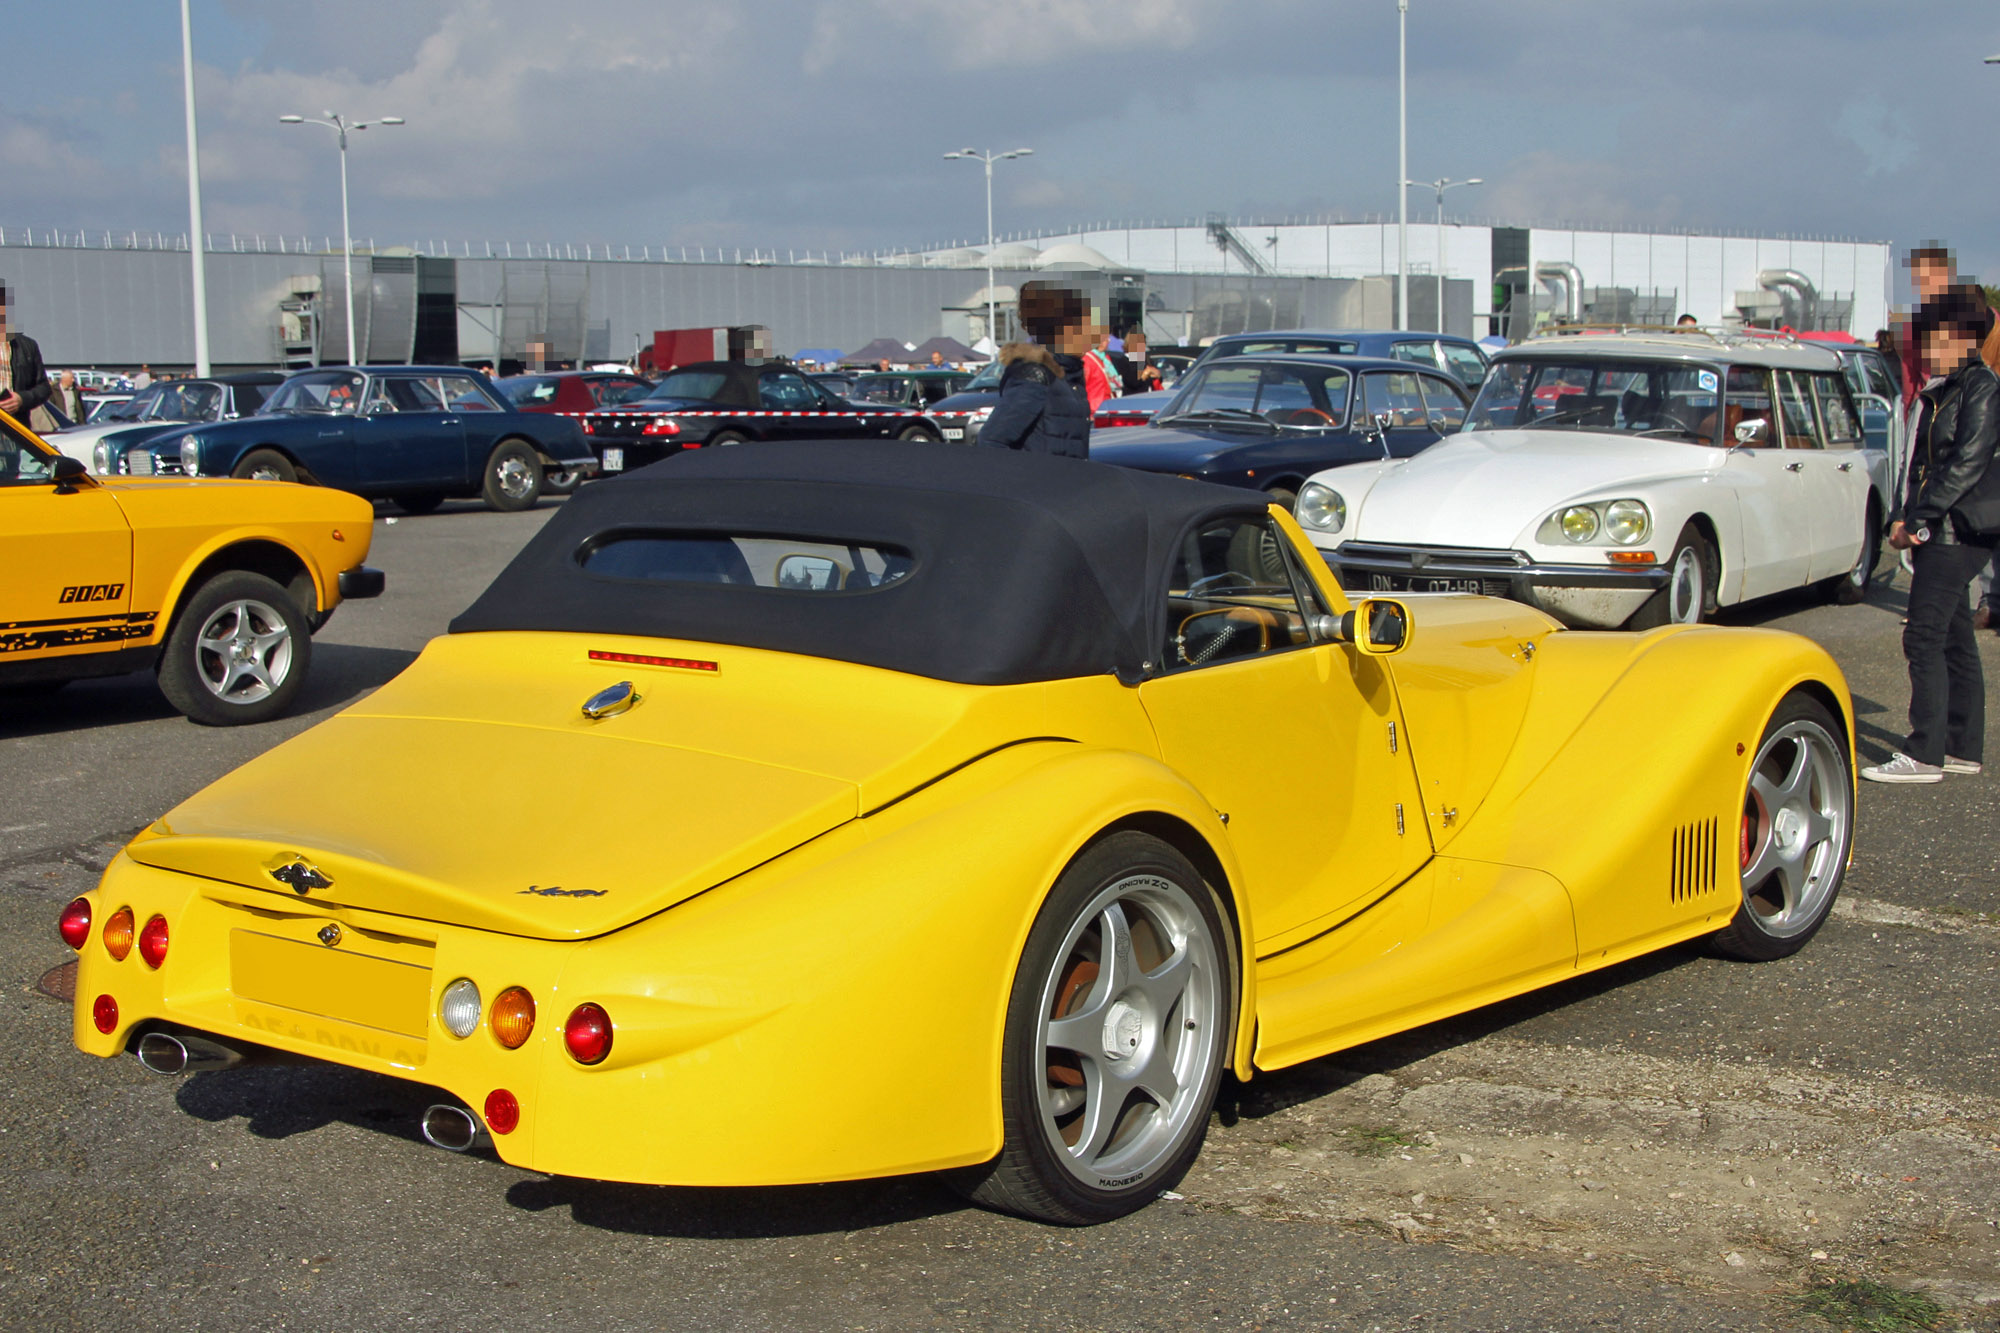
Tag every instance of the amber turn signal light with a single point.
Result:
(74, 924)
(153, 941)
(118, 934)
(1633, 558)
(512, 1017)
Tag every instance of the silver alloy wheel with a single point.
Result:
(265, 473)
(1864, 564)
(1129, 1030)
(1687, 583)
(243, 652)
(516, 478)
(1794, 834)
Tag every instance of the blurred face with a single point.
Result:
(1945, 349)
(1929, 277)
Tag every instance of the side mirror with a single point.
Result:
(1753, 434)
(67, 472)
(810, 573)
(1379, 626)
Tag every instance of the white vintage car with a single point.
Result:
(1624, 479)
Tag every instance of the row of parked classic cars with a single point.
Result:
(1609, 478)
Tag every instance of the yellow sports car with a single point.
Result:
(218, 586)
(956, 811)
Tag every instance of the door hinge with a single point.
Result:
(1392, 738)
(1446, 818)
(1399, 819)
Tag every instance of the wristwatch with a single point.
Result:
(1921, 535)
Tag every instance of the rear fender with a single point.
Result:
(839, 1012)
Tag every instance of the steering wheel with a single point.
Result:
(1303, 416)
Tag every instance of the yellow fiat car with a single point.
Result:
(951, 810)
(218, 586)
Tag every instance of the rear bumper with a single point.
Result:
(361, 582)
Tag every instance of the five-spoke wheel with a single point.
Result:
(1796, 827)
(1118, 1030)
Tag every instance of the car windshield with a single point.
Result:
(888, 389)
(987, 378)
(530, 390)
(133, 408)
(335, 392)
(1622, 395)
(1262, 397)
(702, 385)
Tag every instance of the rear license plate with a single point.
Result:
(954, 432)
(330, 982)
(1401, 583)
(614, 460)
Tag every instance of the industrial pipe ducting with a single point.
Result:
(1571, 278)
(1807, 295)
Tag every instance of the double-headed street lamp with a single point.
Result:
(989, 158)
(340, 127)
(1441, 184)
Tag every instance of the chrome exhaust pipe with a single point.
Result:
(452, 1128)
(181, 1053)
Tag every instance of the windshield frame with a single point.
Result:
(1197, 377)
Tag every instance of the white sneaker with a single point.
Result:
(1969, 767)
(1902, 768)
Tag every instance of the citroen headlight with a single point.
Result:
(190, 455)
(1321, 507)
(100, 459)
(1627, 522)
(1579, 523)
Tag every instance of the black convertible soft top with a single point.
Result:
(1023, 567)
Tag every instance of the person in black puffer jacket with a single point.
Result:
(1042, 408)
(1950, 522)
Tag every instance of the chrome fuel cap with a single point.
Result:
(610, 702)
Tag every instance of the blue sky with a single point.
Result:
(821, 123)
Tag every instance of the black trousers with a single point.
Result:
(1947, 689)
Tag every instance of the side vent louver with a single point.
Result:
(1694, 861)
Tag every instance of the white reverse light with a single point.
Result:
(459, 1008)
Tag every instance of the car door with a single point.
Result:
(1289, 739)
(1836, 478)
(1393, 403)
(1445, 401)
(1773, 531)
(407, 438)
(1467, 366)
(65, 561)
(1832, 525)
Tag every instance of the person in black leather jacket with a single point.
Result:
(1042, 408)
(24, 385)
(1950, 522)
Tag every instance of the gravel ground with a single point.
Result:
(1678, 1143)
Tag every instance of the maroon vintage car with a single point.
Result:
(572, 393)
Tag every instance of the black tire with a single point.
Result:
(1802, 764)
(1046, 1090)
(561, 481)
(1852, 587)
(1285, 495)
(724, 437)
(920, 433)
(513, 478)
(1679, 603)
(202, 680)
(419, 504)
(265, 465)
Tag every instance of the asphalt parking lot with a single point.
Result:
(1679, 1143)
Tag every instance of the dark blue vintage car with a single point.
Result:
(1269, 422)
(1462, 358)
(412, 434)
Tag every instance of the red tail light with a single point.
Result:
(662, 427)
(588, 429)
(74, 924)
(104, 1013)
(1105, 420)
(503, 1111)
(587, 1034)
(153, 942)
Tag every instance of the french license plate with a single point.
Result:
(1401, 583)
(954, 432)
(614, 460)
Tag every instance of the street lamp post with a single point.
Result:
(1403, 164)
(1441, 184)
(989, 158)
(340, 127)
(197, 259)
